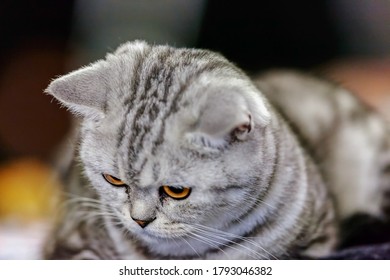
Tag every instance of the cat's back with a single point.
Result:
(311, 105)
(349, 141)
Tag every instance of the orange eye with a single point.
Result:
(113, 180)
(176, 192)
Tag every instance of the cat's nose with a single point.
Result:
(143, 223)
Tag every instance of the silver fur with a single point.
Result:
(156, 115)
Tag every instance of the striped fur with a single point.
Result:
(262, 176)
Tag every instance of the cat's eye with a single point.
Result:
(176, 192)
(113, 180)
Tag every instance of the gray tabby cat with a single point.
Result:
(179, 155)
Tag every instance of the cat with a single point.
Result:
(180, 155)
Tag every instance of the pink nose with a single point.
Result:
(143, 223)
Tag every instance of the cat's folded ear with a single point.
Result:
(83, 90)
(225, 118)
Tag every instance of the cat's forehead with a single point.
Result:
(151, 60)
(149, 76)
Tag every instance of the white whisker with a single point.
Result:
(192, 247)
(226, 236)
(208, 241)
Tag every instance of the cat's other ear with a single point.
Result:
(83, 91)
(226, 117)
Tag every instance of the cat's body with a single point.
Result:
(207, 166)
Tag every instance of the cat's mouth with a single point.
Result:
(154, 238)
(158, 233)
(159, 229)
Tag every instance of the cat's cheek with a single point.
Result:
(116, 197)
(125, 211)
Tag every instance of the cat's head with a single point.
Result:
(171, 139)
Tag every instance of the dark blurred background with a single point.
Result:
(346, 40)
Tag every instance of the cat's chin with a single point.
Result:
(159, 236)
(166, 246)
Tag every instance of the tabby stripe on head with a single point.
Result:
(132, 101)
(153, 111)
(136, 136)
(136, 107)
(173, 107)
(129, 102)
(172, 98)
